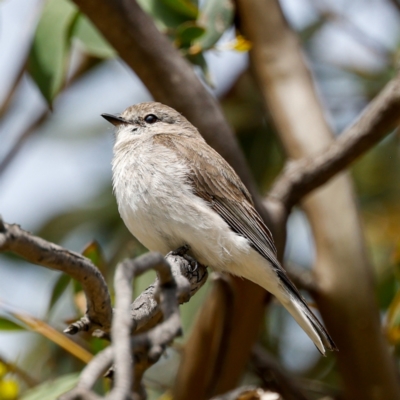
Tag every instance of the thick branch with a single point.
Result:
(342, 270)
(302, 176)
(38, 251)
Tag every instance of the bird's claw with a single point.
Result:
(181, 251)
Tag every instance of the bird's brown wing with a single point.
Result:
(216, 182)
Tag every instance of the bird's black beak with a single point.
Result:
(113, 119)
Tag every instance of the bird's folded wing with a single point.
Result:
(216, 182)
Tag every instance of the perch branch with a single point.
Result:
(306, 174)
(176, 282)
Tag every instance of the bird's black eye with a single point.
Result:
(150, 119)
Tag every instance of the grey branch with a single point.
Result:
(301, 177)
(177, 280)
(38, 251)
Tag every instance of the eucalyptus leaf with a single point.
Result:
(91, 39)
(51, 390)
(9, 325)
(95, 254)
(216, 16)
(183, 7)
(188, 31)
(48, 58)
(200, 61)
(59, 288)
(393, 320)
(165, 18)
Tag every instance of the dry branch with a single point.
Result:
(306, 174)
(38, 251)
(172, 288)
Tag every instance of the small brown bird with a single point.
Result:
(173, 189)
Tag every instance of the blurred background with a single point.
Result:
(55, 174)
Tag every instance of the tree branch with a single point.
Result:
(38, 251)
(306, 174)
(5, 162)
(172, 288)
(274, 376)
(342, 270)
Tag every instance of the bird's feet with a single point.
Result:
(183, 252)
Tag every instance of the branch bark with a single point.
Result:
(38, 251)
(172, 287)
(171, 80)
(306, 174)
(342, 270)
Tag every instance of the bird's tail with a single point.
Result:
(292, 300)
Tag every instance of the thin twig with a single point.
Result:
(171, 287)
(21, 140)
(274, 377)
(10, 95)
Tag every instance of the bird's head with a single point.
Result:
(147, 119)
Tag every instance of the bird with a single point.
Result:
(174, 190)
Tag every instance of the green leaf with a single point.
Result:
(183, 7)
(164, 17)
(91, 39)
(49, 53)
(9, 325)
(216, 16)
(393, 321)
(52, 389)
(59, 288)
(200, 61)
(187, 32)
(94, 253)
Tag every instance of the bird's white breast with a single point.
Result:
(159, 208)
